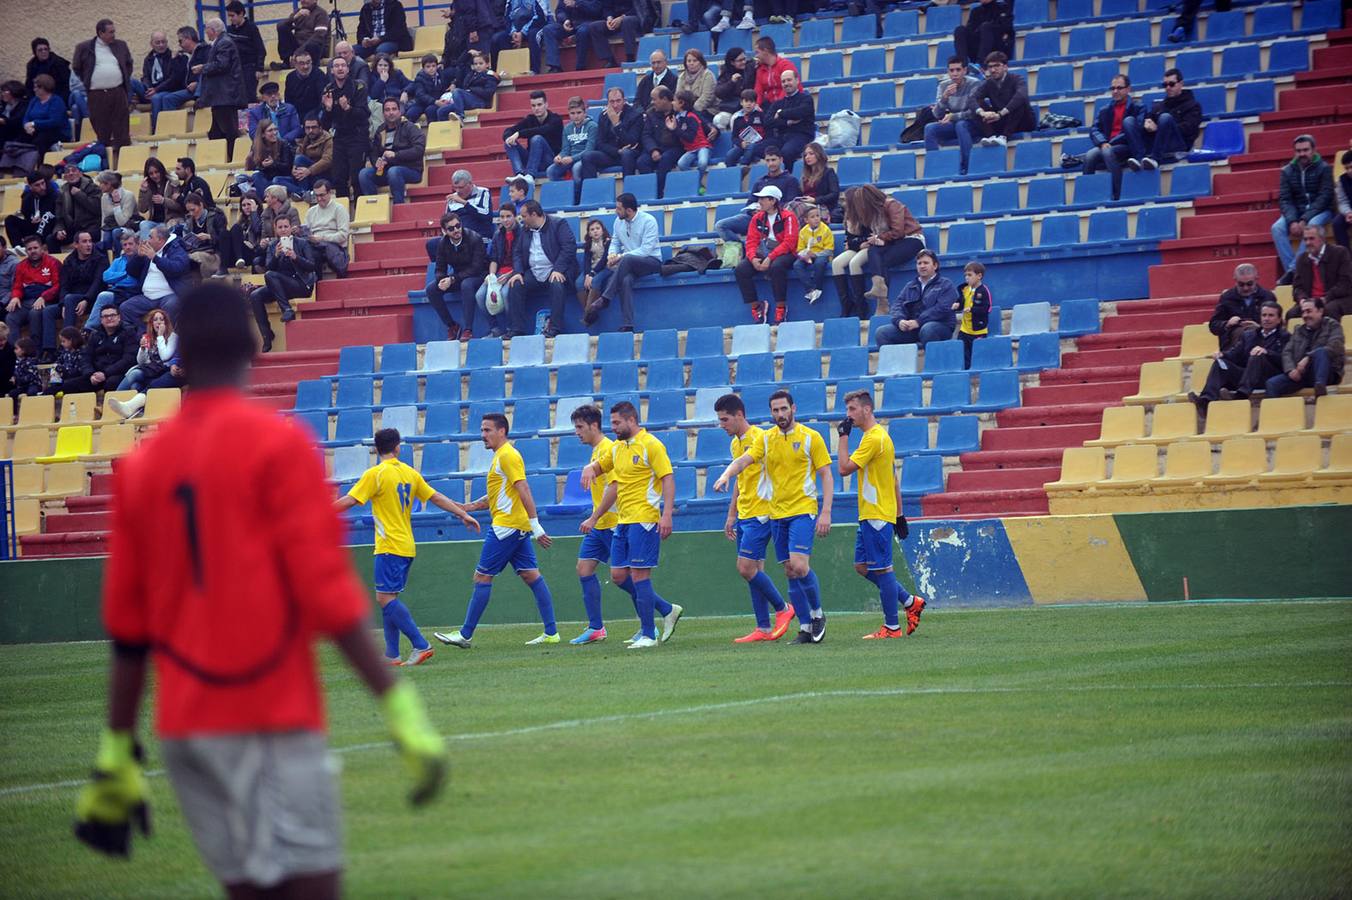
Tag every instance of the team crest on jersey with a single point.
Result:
(797, 445)
(635, 459)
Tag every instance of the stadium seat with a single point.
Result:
(1157, 222)
(755, 368)
(1129, 37)
(1093, 189)
(1077, 317)
(953, 200)
(642, 185)
(910, 59)
(398, 358)
(909, 435)
(942, 164)
(848, 362)
(708, 371)
(1243, 459)
(598, 191)
(966, 238)
(1048, 194)
(711, 446)
(556, 194)
(1172, 421)
(1086, 41)
(1109, 226)
(575, 380)
(399, 390)
(996, 390)
(1098, 73)
(354, 392)
(999, 196)
(1081, 467)
(315, 421)
(29, 444)
(524, 350)
(1031, 318)
(834, 98)
(614, 346)
(440, 356)
(840, 332)
(704, 341)
(855, 170)
(1333, 414)
(958, 434)
(1295, 457)
(867, 62)
(689, 220)
(993, 352)
(1133, 465)
(483, 353)
(747, 339)
(535, 454)
(665, 375)
(316, 393)
(1288, 56)
(1220, 139)
(704, 405)
(897, 359)
(1254, 97)
(666, 408)
(403, 419)
(1013, 234)
(1228, 418)
(356, 360)
(1042, 45)
(949, 392)
(942, 19)
(1281, 415)
(677, 444)
(1159, 381)
(570, 349)
(795, 335)
(484, 384)
(901, 395)
(1055, 79)
(989, 161)
(1060, 231)
(1339, 467)
(1031, 12)
(681, 185)
(562, 424)
(885, 130)
(1147, 69)
(858, 29)
(724, 182)
(619, 377)
(439, 459)
(1225, 26)
(922, 474)
(824, 67)
(943, 356)
(1196, 65)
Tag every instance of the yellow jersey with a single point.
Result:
(966, 327)
(506, 469)
(598, 488)
(391, 487)
(792, 460)
(639, 465)
(819, 240)
(753, 485)
(877, 475)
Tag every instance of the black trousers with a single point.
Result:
(349, 154)
(466, 289)
(662, 165)
(778, 273)
(517, 306)
(277, 288)
(1258, 370)
(225, 124)
(974, 44)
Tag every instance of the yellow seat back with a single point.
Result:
(1080, 466)
(1297, 454)
(77, 408)
(1226, 418)
(171, 122)
(1333, 413)
(1173, 420)
(1243, 457)
(30, 443)
(443, 136)
(372, 210)
(1159, 381)
(40, 410)
(514, 62)
(116, 438)
(160, 403)
(1133, 463)
(65, 479)
(1281, 415)
(1340, 456)
(27, 515)
(1122, 424)
(28, 479)
(1197, 341)
(72, 442)
(1187, 461)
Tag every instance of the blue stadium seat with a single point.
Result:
(854, 170)
(543, 488)
(1032, 318)
(1031, 12)
(1055, 79)
(399, 390)
(910, 58)
(487, 384)
(897, 359)
(1131, 36)
(834, 98)
(530, 381)
(575, 380)
(1220, 139)
(1096, 188)
(1254, 97)
(1107, 227)
(725, 182)
(618, 377)
(648, 43)
(440, 459)
(1320, 15)
(1272, 21)
(609, 400)
(986, 161)
(884, 131)
(993, 352)
(999, 196)
(708, 371)
(950, 391)
(659, 344)
(953, 200)
(1143, 185)
(859, 29)
(1157, 223)
(1191, 180)
(442, 387)
(800, 365)
(1240, 61)
(556, 194)
(1073, 109)
(917, 91)
(796, 335)
(868, 62)
(1068, 11)
(1119, 8)
(817, 33)
(782, 35)
(573, 455)
(1039, 351)
(1097, 74)
(625, 81)
(1288, 56)
(1143, 70)
(676, 443)
(915, 199)
(666, 375)
(966, 237)
(399, 358)
(316, 420)
(483, 352)
(1225, 26)
(700, 40)
(841, 332)
(315, 393)
(849, 386)
(848, 362)
(749, 339)
(942, 19)
(755, 368)
(666, 408)
(736, 37)
(910, 435)
(685, 483)
(571, 348)
(810, 399)
(1032, 155)
(901, 23)
(1196, 65)
(922, 474)
(643, 186)
(943, 356)
(958, 434)
(441, 356)
(901, 395)
(681, 185)
(599, 191)
(354, 425)
(704, 341)
(1076, 317)
(825, 67)
(942, 164)
(535, 453)
(1042, 45)
(1013, 234)
(756, 397)
(442, 421)
(878, 321)
(1211, 98)
(896, 168)
(356, 360)
(1060, 231)
(353, 392)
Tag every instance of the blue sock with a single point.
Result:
(759, 606)
(478, 602)
(403, 619)
(391, 633)
(766, 586)
(591, 599)
(628, 587)
(797, 596)
(545, 604)
(890, 591)
(645, 597)
(813, 590)
(660, 606)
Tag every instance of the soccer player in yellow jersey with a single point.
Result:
(390, 487)
(748, 524)
(879, 511)
(645, 489)
(794, 456)
(598, 533)
(515, 523)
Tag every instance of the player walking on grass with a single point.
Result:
(515, 523)
(391, 487)
(250, 571)
(879, 512)
(794, 456)
(598, 535)
(748, 524)
(642, 479)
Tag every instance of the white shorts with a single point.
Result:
(262, 808)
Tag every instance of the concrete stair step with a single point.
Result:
(92, 503)
(1155, 320)
(1128, 339)
(1333, 71)
(1131, 356)
(64, 523)
(100, 483)
(1280, 138)
(1038, 436)
(356, 291)
(1051, 416)
(390, 247)
(1088, 374)
(980, 504)
(70, 544)
(1215, 275)
(1308, 117)
(292, 374)
(1002, 479)
(316, 334)
(1098, 392)
(1206, 249)
(1311, 98)
(1254, 201)
(1036, 457)
(489, 166)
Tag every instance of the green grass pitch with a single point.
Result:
(1170, 750)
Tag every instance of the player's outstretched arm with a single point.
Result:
(528, 504)
(828, 496)
(344, 503)
(590, 472)
(608, 498)
(477, 505)
(456, 510)
(732, 471)
(668, 506)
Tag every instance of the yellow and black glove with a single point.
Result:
(115, 799)
(418, 742)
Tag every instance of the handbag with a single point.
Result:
(18, 155)
(493, 302)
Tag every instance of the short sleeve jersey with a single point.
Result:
(792, 459)
(390, 488)
(877, 477)
(248, 568)
(639, 465)
(506, 469)
(598, 488)
(753, 485)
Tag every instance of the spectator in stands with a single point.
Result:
(1324, 272)
(923, 311)
(425, 91)
(7, 355)
(270, 158)
(628, 19)
(305, 86)
(595, 254)
(246, 235)
(518, 192)
(396, 154)
(1342, 193)
(726, 11)
(44, 121)
(385, 82)
(345, 111)
(1247, 364)
(248, 44)
(277, 111)
(460, 268)
(153, 198)
(733, 228)
(1187, 18)
(693, 133)
(522, 22)
(1001, 103)
(204, 234)
(307, 29)
(770, 69)
(189, 182)
(27, 379)
(183, 83)
(567, 21)
(168, 275)
(820, 184)
(477, 92)
(532, 142)
(790, 122)
(815, 247)
(156, 68)
(382, 27)
(109, 351)
(222, 88)
(661, 144)
(1305, 197)
(13, 104)
(1167, 132)
(329, 227)
(1110, 150)
(771, 248)
(36, 215)
(748, 129)
(1238, 308)
(658, 75)
(974, 309)
(545, 255)
(894, 235)
(45, 62)
(121, 280)
(736, 77)
(472, 203)
(290, 274)
(276, 206)
(37, 282)
(634, 252)
(103, 64)
(117, 207)
(619, 137)
(81, 277)
(1314, 355)
(579, 136)
(158, 347)
(990, 27)
(696, 78)
(313, 159)
(500, 262)
(71, 364)
(954, 110)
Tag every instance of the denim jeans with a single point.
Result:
(593, 161)
(467, 290)
(935, 132)
(692, 159)
(733, 228)
(293, 186)
(170, 100)
(395, 176)
(56, 316)
(1281, 236)
(1160, 144)
(1112, 159)
(105, 298)
(389, 47)
(736, 154)
(558, 172)
(621, 280)
(533, 161)
(813, 273)
(930, 331)
(599, 280)
(558, 296)
(1317, 372)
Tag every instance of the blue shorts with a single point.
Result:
(596, 545)
(497, 552)
(753, 537)
(635, 546)
(392, 572)
(794, 535)
(873, 546)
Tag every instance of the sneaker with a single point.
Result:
(466, 335)
(642, 642)
(748, 21)
(637, 634)
(1321, 390)
(669, 621)
(781, 20)
(997, 140)
(913, 613)
(804, 637)
(240, 263)
(753, 638)
(544, 639)
(819, 628)
(1134, 164)
(780, 313)
(455, 639)
(590, 636)
(452, 332)
(1177, 36)
(783, 619)
(528, 178)
(984, 142)
(721, 25)
(1149, 164)
(394, 662)
(812, 296)
(884, 632)
(418, 657)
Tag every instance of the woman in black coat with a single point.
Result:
(738, 74)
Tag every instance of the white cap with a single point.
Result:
(770, 191)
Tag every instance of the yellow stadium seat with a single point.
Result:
(77, 409)
(217, 179)
(171, 122)
(1198, 341)
(514, 62)
(1160, 381)
(1186, 462)
(1120, 425)
(1228, 418)
(115, 439)
(160, 404)
(29, 444)
(1133, 465)
(132, 158)
(72, 442)
(6, 410)
(1172, 421)
(121, 397)
(1347, 331)
(170, 152)
(140, 125)
(1081, 467)
(1281, 415)
(429, 39)
(443, 136)
(13, 200)
(1285, 297)
(1340, 459)
(27, 515)
(407, 65)
(212, 154)
(1296, 458)
(1242, 460)
(372, 210)
(1333, 413)
(28, 479)
(40, 410)
(64, 479)
(52, 157)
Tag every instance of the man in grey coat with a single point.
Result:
(222, 86)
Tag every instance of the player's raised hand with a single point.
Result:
(419, 744)
(115, 799)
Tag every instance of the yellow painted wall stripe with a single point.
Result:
(1073, 559)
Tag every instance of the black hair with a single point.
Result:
(1272, 304)
(730, 404)
(539, 95)
(499, 421)
(587, 414)
(956, 60)
(627, 200)
(215, 334)
(235, 7)
(38, 42)
(782, 395)
(625, 410)
(765, 43)
(533, 207)
(772, 149)
(448, 218)
(187, 163)
(1177, 73)
(387, 441)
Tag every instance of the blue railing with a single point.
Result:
(9, 538)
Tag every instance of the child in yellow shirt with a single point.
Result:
(815, 247)
(976, 308)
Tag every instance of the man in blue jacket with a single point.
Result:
(923, 311)
(790, 122)
(167, 277)
(1110, 150)
(545, 255)
(284, 115)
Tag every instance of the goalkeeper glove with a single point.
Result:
(902, 529)
(845, 427)
(417, 741)
(115, 799)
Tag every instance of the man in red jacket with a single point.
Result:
(770, 68)
(37, 282)
(771, 243)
